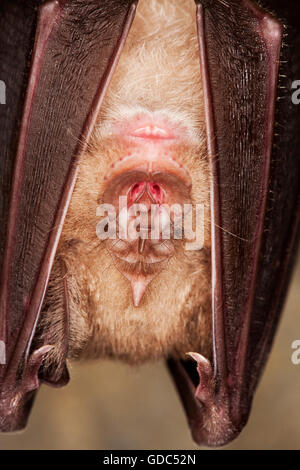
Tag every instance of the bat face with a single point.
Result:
(142, 297)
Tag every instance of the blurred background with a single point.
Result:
(110, 406)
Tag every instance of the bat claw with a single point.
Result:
(17, 398)
(205, 390)
(34, 363)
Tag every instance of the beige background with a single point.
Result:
(112, 406)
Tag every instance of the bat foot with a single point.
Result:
(18, 396)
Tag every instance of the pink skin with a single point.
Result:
(153, 128)
(154, 190)
(149, 175)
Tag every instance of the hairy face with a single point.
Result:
(139, 295)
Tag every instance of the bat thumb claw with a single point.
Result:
(34, 363)
(205, 390)
(19, 392)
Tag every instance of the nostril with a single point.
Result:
(157, 193)
(136, 191)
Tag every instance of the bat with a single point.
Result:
(152, 104)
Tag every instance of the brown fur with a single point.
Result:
(158, 73)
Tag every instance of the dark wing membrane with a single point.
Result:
(255, 201)
(281, 225)
(77, 43)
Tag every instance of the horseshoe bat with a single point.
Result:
(186, 102)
